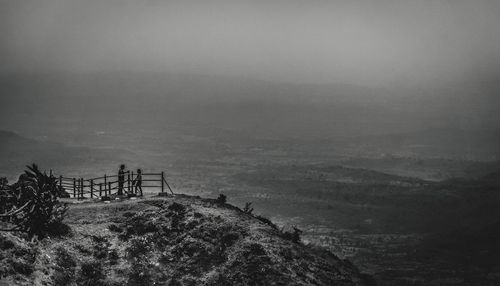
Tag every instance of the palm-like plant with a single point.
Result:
(34, 205)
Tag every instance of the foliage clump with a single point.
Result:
(248, 208)
(221, 199)
(64, 269)
(32, 204)
(293, 235)
(140, 274)
(17, 256)
(91, 274)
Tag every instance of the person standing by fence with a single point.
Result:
(138, 181)
(121, 179)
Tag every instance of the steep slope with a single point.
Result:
(169, 241)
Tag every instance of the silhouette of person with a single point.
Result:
(121, 179)
(138, 181)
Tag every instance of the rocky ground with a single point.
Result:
(178, 240)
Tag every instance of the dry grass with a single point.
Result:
(181, 241)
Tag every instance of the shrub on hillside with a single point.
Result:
(177, 208)
(64, 269)
(91, 274)
(254, 267)
(139, 246)
(33, 204)
(115, 228)
(221, 199)
(293, 235)
(140, 274)
(248, 208)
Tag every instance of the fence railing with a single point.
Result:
(108, 185)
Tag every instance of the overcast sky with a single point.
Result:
(353, 41)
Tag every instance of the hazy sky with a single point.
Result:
(355, 41)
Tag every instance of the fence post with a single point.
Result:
(128, 182)
(74, 188)
(105, 186)
(81, 188)
(91, 188)
(60, 182)
(109, 188)
(100, 189)
(132, 183)
(162, 180)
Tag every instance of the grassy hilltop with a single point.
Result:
(169, 241)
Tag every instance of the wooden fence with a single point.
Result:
(106, 186)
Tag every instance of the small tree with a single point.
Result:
(221, 199)
(248, 209)
(33, 203)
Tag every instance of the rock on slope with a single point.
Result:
(168, 241)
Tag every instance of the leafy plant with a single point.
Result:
(221, 199)
(139, 246)
(32, 205)
(248, 209)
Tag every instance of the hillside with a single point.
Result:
(169, 241)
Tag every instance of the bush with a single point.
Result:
(253, 268)
(248, 209)
(64, 272)
(177, 208)
(5, 243)
(101, 246)
(229, 238)
(256, 249)
(62, 278)
(140, 275)
(138, 246)
(33, 204)
(91, 274)
(23, 267)
(64, 259)
(140, 225)
(113, 256)
(293, 236)
(221, 199)
(115, 228)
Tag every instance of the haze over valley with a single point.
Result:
(374, 128)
